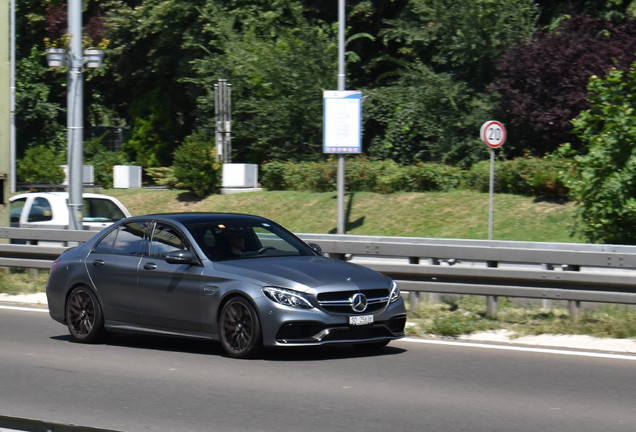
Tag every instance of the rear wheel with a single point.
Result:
(84, 316)
(240, 329)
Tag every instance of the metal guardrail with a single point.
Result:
(552, 271)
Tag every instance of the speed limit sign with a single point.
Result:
(493, 133)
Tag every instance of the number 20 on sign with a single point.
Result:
(493, 133)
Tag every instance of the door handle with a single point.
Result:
(98, 263)
(150, 266)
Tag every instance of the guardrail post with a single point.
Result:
(414, 300)
(491, 301)
(491, 306)
(574, 307)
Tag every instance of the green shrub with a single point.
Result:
(362, 174)
(40, 164)
(454, 324)
(478, 177)
(540, 177)
(163, 176)
(390, 178)
(432, 177)
(102, 160)
(273, 175)
(195, 166)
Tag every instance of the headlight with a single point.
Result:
(287, 297)
(395, 292)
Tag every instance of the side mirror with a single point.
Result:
(181, 257)
(316, 248)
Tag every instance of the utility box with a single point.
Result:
(126, 176)
(240, 175)
(88, 175)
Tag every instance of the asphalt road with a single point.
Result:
(134, 383)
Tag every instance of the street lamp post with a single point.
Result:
(75, 116)
(340, 182)
(75, 59)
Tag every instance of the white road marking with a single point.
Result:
(22, 308)
(520, 348)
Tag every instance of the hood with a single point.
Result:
(304, 272)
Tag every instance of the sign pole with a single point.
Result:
(492, 192)
(494, 135)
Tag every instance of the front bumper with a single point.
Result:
(285, 326)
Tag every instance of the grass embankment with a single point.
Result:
(457, 214)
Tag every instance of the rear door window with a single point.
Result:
(129, 239)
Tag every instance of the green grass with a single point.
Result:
(22, 281)
(458, 214)
(467, 314)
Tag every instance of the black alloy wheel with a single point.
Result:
(84, 316)
(240, 329)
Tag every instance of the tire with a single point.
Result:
(240, 329)
(84, 317)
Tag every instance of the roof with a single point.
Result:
(188, 218)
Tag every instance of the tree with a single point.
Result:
(278, 64)
(142, 80)
(40, 164)
(40, 119)
(543, 84)
(603, 183)
(463, 38)
(426, 117)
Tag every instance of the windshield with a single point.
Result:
(237, 240)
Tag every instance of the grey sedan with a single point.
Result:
(239, 279)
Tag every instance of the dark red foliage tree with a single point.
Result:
(56, 22)
(543, 84)
(95, 30)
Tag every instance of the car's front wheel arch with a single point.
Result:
(240, 329)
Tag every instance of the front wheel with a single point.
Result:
(84, 316)
(240, 329)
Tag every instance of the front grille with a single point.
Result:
(341, 302)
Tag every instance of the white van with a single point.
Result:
(50, 210)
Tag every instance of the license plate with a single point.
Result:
(360, 320)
